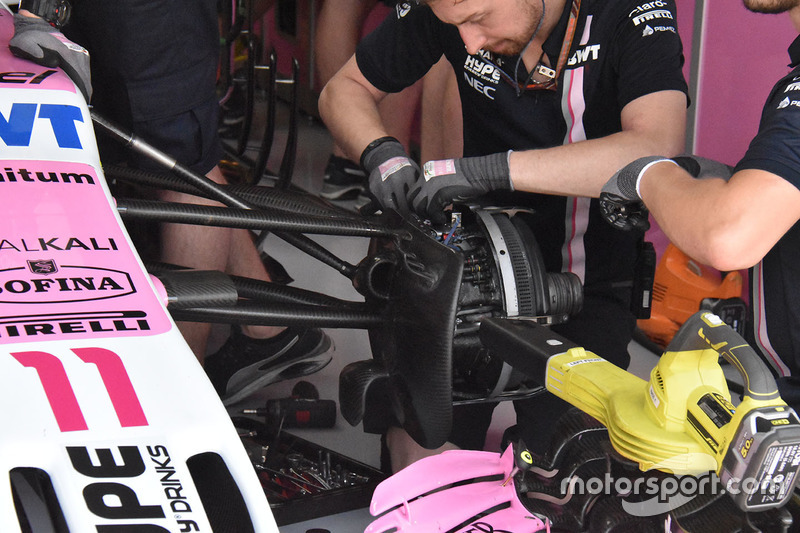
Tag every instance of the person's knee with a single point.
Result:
(403, 450)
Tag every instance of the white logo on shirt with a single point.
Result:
(402, 9)
(650, 15)
(585, 54)
(786, 103)
(647, 7)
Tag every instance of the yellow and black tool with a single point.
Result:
(683, 420)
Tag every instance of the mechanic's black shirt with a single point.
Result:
(621, 50)
(775, 281)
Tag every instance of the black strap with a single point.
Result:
(56, 12)
(374, 144)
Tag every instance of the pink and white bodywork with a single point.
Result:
(103, 401)
(458, 490)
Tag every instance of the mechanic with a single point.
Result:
(748, 220)
(555, 94)
(338, 30)
(153, 71)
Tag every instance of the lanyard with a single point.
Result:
(550, 83)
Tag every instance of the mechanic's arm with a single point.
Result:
(651, 124)
(727, 225)
(348, 104)
(654, 123)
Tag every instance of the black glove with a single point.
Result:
(620, 203)
(38, 41)
(701, 167)
(391, 173)
(447, 180)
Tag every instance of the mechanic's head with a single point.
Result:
(771, 6)
(500, 26)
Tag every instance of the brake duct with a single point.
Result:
(437, 286)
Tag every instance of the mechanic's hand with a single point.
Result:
(447, 180)
(620, 203)
(391, 173)
(38, 41)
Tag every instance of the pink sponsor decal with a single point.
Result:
(393, 165)
(66, 268)
(440, 167)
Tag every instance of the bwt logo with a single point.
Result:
(16, 128)
(584, 55)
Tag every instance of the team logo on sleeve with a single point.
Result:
(792, 87)
(402, 9)
(786, 102)
(652, 30)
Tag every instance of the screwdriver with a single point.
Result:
(303, 409)
(298, 412)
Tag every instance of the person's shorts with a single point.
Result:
(154, 69)
(191, 138)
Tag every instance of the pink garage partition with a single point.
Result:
(738, 56)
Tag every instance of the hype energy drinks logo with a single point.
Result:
(658, 493)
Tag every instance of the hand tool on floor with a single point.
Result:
(303, 409)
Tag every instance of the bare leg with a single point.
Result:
(338, 32)
(339, 26)
(403, 450)
(209, 248)
(441, 128)
(398, 111)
